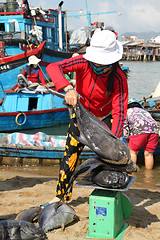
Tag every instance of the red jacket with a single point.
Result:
(34, 76)
(92, 89)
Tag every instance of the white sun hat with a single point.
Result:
(104, 48)
(33, 60)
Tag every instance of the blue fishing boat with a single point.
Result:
(38, 145)
(124, 68)
(153, 107)
(22, 28)
(30, 109)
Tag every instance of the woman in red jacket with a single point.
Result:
(31, 74)
(101, 86)
(32, 71)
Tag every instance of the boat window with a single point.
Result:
(12, 27)
(50, 35)
(2, 27)
(44, 33)
(28, 28)
(32, 103)
(49, 32)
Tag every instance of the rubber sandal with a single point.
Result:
(44, 205)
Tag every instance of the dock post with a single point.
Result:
(154, 58)
(1, 158)
(21, 161)
(145, 57)
(40, 161)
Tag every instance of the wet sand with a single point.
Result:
(21, 190)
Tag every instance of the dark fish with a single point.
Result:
(109, 179)
(96, 163)
(56, 215)
(30, 214)
(20, 230)
(8, 217)
(98, 136)
(3, 232)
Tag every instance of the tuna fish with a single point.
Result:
(29, 215)
(109, 179)
(56, 215)
(3, 232)
(94, 163)
(99, 138)
(20, 230)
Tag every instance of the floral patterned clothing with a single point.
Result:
(138, 122)
(72, 153)
(68, 165)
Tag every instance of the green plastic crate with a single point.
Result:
(107, 211)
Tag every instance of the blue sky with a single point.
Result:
(136, 15)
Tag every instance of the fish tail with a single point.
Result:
(132, 167)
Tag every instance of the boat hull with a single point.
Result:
(40, 152)
(31, 110)
(45, 153)
(155, 114)
(33, 120)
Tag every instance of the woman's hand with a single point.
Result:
(71, 96)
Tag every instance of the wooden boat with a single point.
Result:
(40, 151)
(10, 62)
(40, 146)
(30, 110)
(152, 103)
(153, 107)
(124, 68)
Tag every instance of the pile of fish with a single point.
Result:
(51, 217)
(101, 173)
(19, 229)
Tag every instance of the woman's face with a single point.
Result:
(108, 67)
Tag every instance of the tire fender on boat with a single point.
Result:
(18, 115)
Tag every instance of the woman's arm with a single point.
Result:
(41, 77)
(24, 72)
(119, 104)
(57, 70)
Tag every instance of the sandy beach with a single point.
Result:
(20, 190)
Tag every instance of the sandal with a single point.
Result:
(44, 205)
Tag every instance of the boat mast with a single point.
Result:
(60, 25)
(88, 14)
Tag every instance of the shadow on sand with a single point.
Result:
(19, 182)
